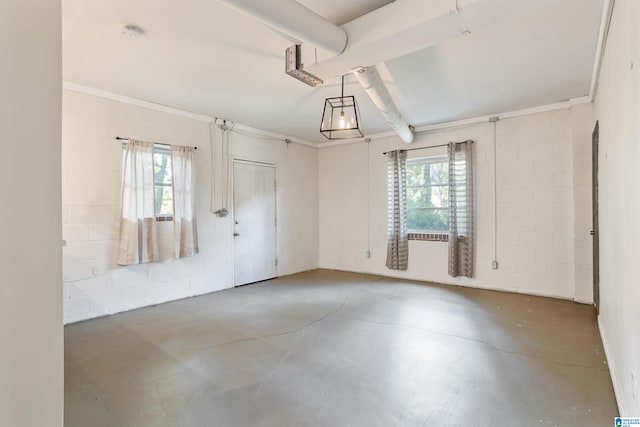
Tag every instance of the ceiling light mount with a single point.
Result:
(131, 30)
(455, 12)
(295, 68)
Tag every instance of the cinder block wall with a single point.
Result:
(541, 247)
(91, 184)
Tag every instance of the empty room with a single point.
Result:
(320, 213)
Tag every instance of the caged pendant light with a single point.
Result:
(341, 118)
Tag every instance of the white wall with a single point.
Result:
(582, 124)
(536, 206)
(91, 159)
(618, 111)
(31, 343)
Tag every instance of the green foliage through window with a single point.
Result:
(428, 194)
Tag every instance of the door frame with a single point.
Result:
(237, 160)
(595, 231)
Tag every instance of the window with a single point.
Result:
(163, 180)
(157, 185)
(428, 198)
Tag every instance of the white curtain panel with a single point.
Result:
(184, 206)
(138, 235)
(461, 200)
(397, 232)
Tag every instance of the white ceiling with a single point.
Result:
(204, 57)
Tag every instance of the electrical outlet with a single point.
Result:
(494, 264)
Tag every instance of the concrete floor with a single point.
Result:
(327, 348)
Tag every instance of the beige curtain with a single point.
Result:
(461, 233)
(397, 233)
(184, 206)
(138, 236)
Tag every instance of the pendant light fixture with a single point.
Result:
(341, 118)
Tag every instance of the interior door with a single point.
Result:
(594, 231)
(254, 207)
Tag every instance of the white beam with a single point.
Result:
(373, 85)
(293, 19)
(392, 31)
(407, 26)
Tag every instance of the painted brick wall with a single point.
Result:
(535, 206)
(91, 172)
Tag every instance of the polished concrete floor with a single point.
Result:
(327, 348)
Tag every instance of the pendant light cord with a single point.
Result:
(342, 98)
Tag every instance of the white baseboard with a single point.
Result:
(581, 300)
(612, 370)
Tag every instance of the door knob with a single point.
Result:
(236, 234)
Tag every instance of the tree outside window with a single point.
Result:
(428, 194)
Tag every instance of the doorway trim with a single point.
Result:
(595, 231)
(237, 160)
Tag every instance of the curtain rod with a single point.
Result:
(120, 138)
(424, 148)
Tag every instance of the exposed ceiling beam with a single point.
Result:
(392, 31)
(395, 30)
(407, 26)
(296, 21)
(372, 84)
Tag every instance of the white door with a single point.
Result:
(254, 207)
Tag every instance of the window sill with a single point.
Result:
(429, 237)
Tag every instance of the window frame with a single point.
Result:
(164, 149)
(428, 235)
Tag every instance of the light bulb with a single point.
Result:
(342, 124)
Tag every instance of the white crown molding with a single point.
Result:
(471, 121)
(260, 133)
(339, 142)
(263, 133)
(581, 100)
(605, 22)
(87, 90)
